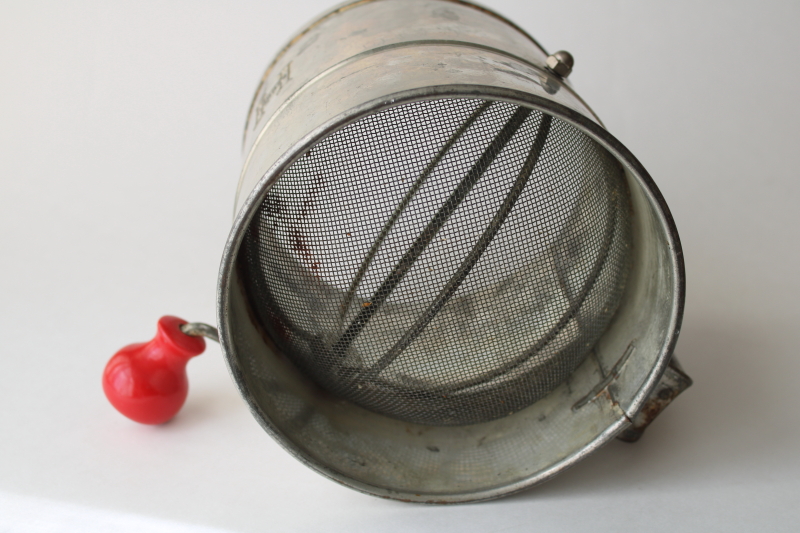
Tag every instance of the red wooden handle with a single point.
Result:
(147, 382)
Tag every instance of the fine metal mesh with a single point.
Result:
(442, 262)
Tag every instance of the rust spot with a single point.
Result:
(298, 240)
(299, 243)
(280, 329)
(673, 382)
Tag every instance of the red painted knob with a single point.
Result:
(147, 382)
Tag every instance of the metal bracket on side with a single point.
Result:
(673, 382)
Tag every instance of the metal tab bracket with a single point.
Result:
(673, 382)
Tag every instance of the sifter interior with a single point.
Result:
(443, 262)
(446, 281)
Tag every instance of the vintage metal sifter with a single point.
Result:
(446, 281)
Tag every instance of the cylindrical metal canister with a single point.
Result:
(363, 60)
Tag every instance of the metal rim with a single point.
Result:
(584, 124)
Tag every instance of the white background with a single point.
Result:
(120, 131)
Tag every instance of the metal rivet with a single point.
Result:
(561, 63)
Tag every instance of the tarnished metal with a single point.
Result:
(674, 382)
(198, 329)
(561, 63)
(354, 62)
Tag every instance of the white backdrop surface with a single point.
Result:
(120, 132)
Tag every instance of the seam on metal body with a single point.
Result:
(607, 380)
(350, 5)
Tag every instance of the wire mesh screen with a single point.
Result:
(443, 262)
